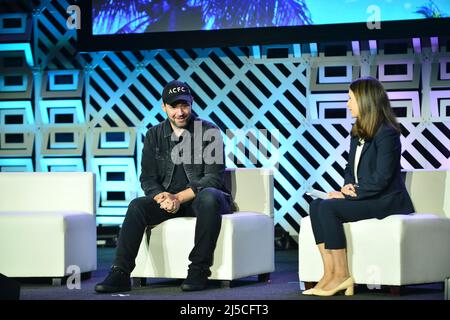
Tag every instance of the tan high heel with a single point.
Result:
(347, 285)
(309, 292)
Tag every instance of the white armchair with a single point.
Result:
(398, 250)
(47, 223)
(245, 246)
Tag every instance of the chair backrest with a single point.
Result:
(47, 191)
(429, 191)
(252, 189)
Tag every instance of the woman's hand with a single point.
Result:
(335, 195)
(349, 190)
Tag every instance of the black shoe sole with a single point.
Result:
(100, 288)
(193, 287)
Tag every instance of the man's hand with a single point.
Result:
(160, 197)
(171, 206)
(185, 195)
(335, 195)
(349, 190)
(168, 202)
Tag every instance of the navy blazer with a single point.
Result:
(379, 172)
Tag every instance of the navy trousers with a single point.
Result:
(328, 217)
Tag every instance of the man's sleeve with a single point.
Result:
(214, 167)
(149, 169)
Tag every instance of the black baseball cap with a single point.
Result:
(175, 91)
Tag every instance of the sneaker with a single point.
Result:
(116, 281)
(196, 280)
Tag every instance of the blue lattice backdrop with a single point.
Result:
(64, 111)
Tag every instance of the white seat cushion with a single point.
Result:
(245, 247)
(44, 244)
(397, 250)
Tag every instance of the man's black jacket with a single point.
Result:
(157, 165)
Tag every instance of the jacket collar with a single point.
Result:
(365, 146)
(367, 143)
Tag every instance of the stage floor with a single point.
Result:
(284, 285)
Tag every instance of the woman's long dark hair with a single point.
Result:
(374, 108)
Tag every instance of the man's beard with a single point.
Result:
(186, 121)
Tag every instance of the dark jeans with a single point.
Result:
(208, 206)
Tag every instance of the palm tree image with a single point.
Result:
(219, 14)
(125, 16)
(136, 16)
(430, 11)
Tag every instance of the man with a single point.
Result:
(182, 175)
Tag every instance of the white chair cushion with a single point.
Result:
(397, 250)
(245, 247)
(45, 244)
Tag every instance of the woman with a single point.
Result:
(373, 187)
